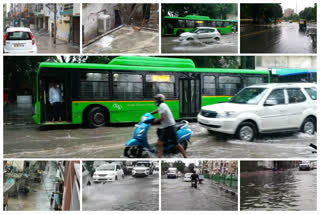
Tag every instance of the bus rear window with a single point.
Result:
(19, 35)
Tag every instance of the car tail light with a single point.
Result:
(5, 39)
(31, 36)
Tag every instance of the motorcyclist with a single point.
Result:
(194, 178)
(167, 130)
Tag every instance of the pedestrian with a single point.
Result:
(55, 100)
(51, 199)
(167, 130)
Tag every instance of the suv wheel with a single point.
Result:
(309, 126)
(217, 39)
(247, 131)
(189, 39)
(179, 32)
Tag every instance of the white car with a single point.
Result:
(305, 165)
(172, 172)
(201, 33)
(142, 168)
(108, 172)
(265, 108)
(19, 40)
(187, 177)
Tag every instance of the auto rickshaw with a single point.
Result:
(302, 24)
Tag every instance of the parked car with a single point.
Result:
(201, 33)
(187, 177)
(19, 40)
(305, 165)
(108, 172)
(172, 172)
(142, 168)
(264, 108)
(86, 177)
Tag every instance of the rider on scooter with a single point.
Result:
(167, 130)
(194, 178)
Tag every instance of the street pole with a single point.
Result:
(55, 24)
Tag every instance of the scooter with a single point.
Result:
(138, 146)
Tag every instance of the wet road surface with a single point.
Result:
(26, 141)
(280, 38)
(126, 40)
(178, 195)
(38, 197)
(45, 45)
(125, 194)
(227, 44)
(283, 190)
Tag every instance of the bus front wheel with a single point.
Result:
(96, 117)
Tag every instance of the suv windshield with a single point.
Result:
(312, 93)
(143, 164)
(249, 96)
(106, 168)
(195, 30)
(19, 35)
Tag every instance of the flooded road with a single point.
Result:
(280, 38)
(178, 195)
(125, 194)
(282, 190)
(38, 197)
(227, 44)
(26, 141)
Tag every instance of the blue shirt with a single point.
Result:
(55, 95)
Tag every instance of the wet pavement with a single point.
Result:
(178, 195)
(45, 44)
(29, 141)
(227, 44)
(125, 194)
(39, 196)
(281, 38)
(283, 190)
(126, 40)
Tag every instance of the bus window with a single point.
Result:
(219, 24)
(94, 86)
(209, 85)
(181, 24)
(127, 86)
(229, 85)
(163, 84)
(252, 80)
(190, 24)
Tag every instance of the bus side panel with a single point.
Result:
(224, 30)
(37, 117)
(122, 111)
(209, 100)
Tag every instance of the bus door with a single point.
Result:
(189, 97)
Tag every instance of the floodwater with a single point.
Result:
(108, 142)
(39, 196)
(126, 40)
(282, 190)
(178, 195)
(280, 38)
(129, 193)
(227, 44)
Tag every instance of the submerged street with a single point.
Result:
(281, 190)
(125, 194)
(26, 140)
(281, 38)
(178, 195)
(227, 44)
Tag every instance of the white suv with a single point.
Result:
(201, 33)
(19, 40)
(265, 108)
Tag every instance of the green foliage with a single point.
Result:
(309, 13)
(266, 12)
(179, 165)
(214, 11)
(191, 167)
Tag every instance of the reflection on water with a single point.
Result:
(282, 190)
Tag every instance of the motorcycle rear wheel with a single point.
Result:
(133, 152)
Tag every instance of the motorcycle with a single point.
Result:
(138, 146)
(194, 183)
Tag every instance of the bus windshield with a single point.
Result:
(249, 96)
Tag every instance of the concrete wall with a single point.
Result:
(90, 14)
(303, 62)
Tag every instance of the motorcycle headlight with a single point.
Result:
(225, 114)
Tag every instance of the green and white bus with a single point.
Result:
(174, 26)
(123, 90)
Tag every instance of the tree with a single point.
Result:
(309, 13)
(258, 12)
(164, 166)
(179, 165)
(191, 167)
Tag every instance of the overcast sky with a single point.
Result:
(300, 4)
